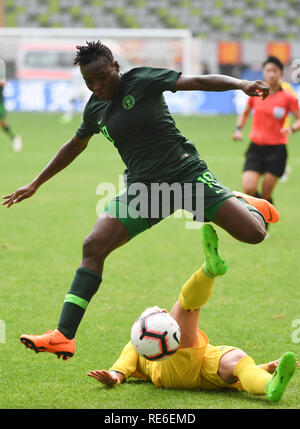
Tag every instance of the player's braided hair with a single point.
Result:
(91, 52)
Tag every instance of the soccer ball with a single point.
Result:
(155, 335)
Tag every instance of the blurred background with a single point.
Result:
(38, 40)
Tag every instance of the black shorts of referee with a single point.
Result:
(266, 158)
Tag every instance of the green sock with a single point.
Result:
(85, 284)
(276, 386)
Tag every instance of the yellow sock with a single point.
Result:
(252, 377)
(196, 291)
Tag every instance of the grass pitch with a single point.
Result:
(253, 306)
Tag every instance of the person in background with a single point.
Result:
(16, 139)
(267, 154)
(285, 85)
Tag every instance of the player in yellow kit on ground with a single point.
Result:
(197, 364)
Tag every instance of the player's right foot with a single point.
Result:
(214, 262)
(276, 386)
(267, 209)
(52, 342)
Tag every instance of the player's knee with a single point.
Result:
(237, 355)
(228, 363)
(259, 229)
(257, 236)
(254, 231)
(94, 247)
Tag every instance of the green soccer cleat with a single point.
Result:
(276, 386)
(215, 264)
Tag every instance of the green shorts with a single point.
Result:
(140, 206)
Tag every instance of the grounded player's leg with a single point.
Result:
(214, 264)
(276, 386)
(107, 234)
(237, 365)
(188, 323)
(198, 289)
(250, 179)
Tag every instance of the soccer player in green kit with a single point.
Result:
(130, 111)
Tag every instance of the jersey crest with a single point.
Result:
(128, 102)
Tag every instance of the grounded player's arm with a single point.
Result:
(218, 82)
(123, 368)
(66, 154)
(241, 122)
(108, 378)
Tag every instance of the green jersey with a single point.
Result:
(138, 122)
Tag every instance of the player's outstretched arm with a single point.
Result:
(66, 154)
(124, 367)
(108, 378)
(219, 82)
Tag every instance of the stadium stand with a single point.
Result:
(226, 19)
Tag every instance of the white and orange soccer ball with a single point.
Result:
(155, 335)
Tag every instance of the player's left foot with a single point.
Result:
(276, 386)
(214, 262)
(17, 144)
(267, 209)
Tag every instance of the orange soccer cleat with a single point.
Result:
(267, 209)
(52, 341)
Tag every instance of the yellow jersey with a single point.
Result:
(180, 371)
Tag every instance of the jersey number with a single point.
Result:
(210, 181)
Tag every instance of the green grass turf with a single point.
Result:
(252, 306)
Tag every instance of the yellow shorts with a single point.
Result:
(210, 380)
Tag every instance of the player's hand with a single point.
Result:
(237, 135)
(271, 366)
(256, 88)
(105, 377)
(20, 195)
(286, 130)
